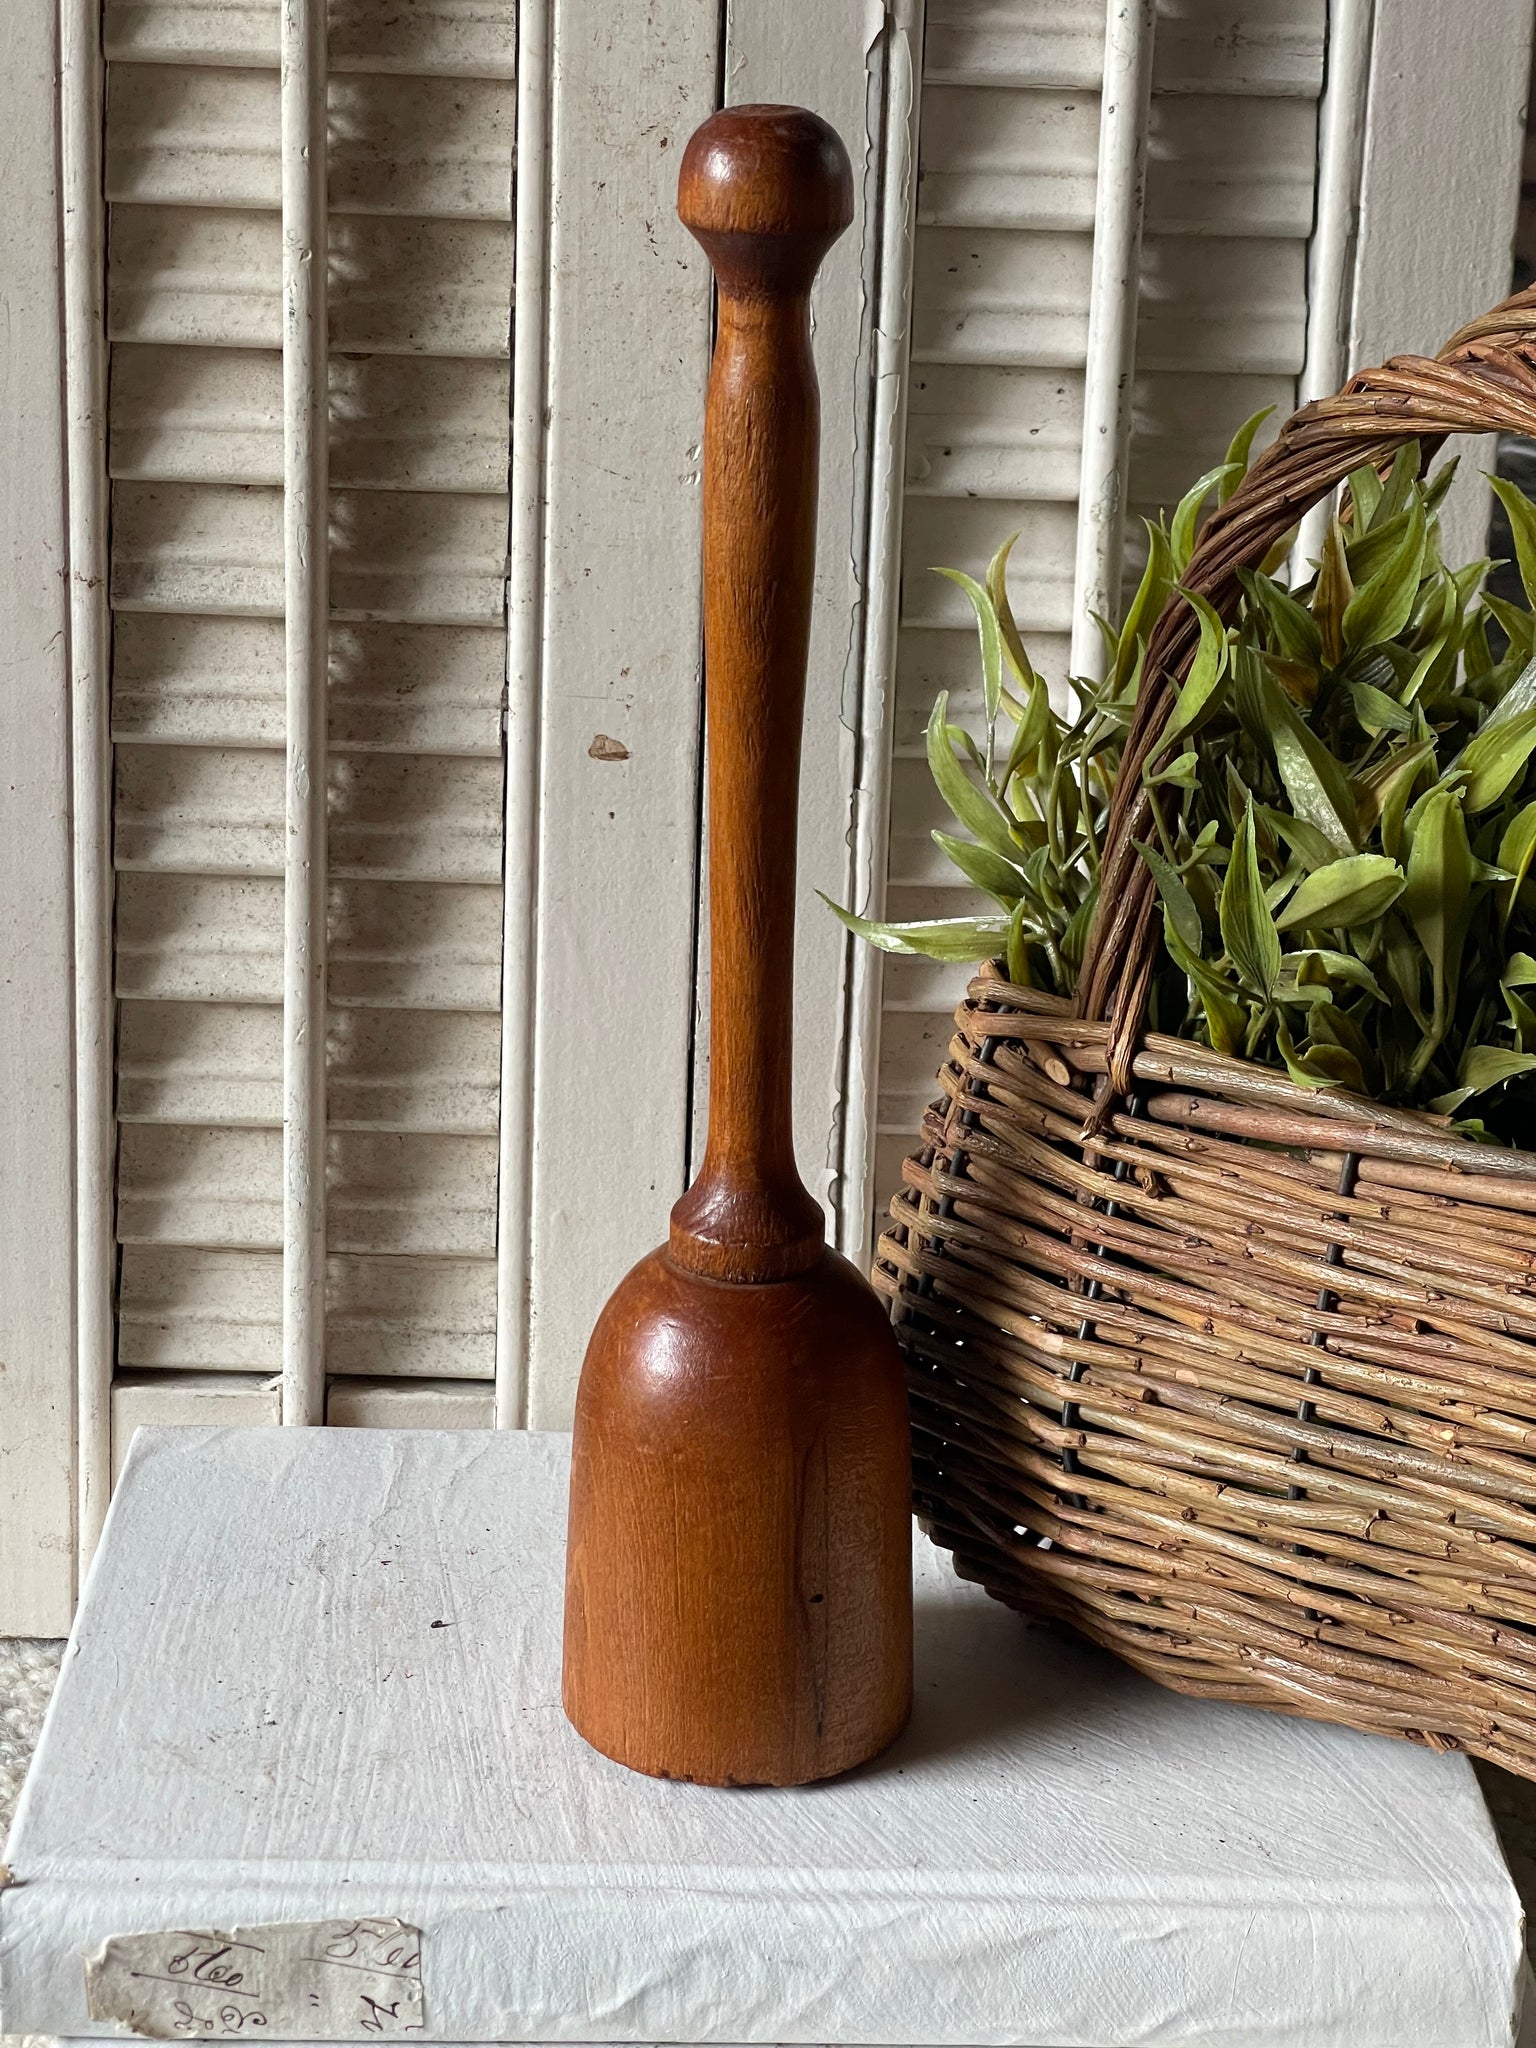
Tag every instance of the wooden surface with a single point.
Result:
(737, 1602)
(260, 1721)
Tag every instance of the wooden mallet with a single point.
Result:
(738, 1587)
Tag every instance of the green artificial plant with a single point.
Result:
(1345, 807)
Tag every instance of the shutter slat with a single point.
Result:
(1201, 45)
(436, 38)
(411, 1192)
(194, 275)
(387, 1192)
(200, 1185)
(194, 810)
(184, 135)
(217, 811)
(188, 1308)
(198, 938)
(200, 1063)
(412, 1318)
(1027, 160)
(221, 1400)
(181, 134)
(398, 422)
(396, 556)
(204, 275)
(415, 689)
(208, 681)
(394, 945)
(409, 1404)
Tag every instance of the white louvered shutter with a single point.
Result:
(509, 1078)
(1006, 206)
(421, 111)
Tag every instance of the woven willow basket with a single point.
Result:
(1235, 1377)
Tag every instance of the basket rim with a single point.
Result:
(1195, 1068)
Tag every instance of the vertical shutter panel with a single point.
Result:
(1007, 158)
(420, 249)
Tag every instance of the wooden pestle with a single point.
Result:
(738, 1582)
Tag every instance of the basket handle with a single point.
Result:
(1483, 381)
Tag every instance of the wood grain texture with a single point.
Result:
(738, 1607)
(766, 194)
(738, 1602)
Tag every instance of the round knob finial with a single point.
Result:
(767, 191)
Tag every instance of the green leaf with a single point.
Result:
(1315, 783)
(1151, 594)
(1364, 494)
(1312, 1066)
(1247, 929)
(1383, 792)
(1291, 625)
(1376, 711)
(1332, 593)
(1426, 666)
(1437, 899)
(1495, 756)
(979, 864)
(1031, 730)
(1178, 904)
(1519, 971)
(1179, 773)
(1181, 530)
(1405, 968)
(1304, 840)
(1521, 514)
(1225, 1016)
(1489, 1066)
(1336, 1029)
(1381, 606)
(1194, 700)
(946, 938)
(1521, 1016)
(975, 810)
(1239, 449)
(1016, 951)
(1347, 892)
(1439, 483)
(1519, 626)
(1515, 851)
(1074, 938)
(1519, 698)
(1335, 967)
(991, 636)
(1401, 479)
(997, 590)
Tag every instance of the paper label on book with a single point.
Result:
(302, 1980)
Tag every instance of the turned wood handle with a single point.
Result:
(766, 191)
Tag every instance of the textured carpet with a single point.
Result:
(27, 1672)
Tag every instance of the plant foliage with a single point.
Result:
(1345, 807)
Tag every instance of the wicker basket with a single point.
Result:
(1235, 1377)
